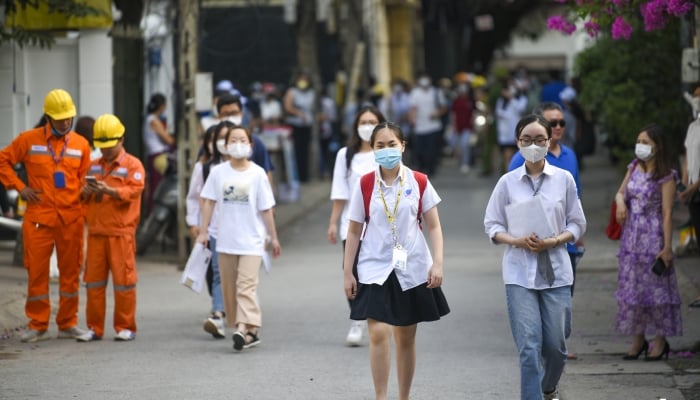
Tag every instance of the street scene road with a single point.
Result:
(469, 354)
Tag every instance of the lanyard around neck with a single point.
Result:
(536, 190)
(53, 153)
(391, 217)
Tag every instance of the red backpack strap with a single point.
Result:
(422, 180)
(367, 187)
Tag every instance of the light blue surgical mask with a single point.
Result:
(388, 157)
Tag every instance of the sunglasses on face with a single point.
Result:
(554, 122)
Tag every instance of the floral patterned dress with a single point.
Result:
(646, 303)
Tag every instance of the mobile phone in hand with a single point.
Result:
(659, 267)
(91, 180)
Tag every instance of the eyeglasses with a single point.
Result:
(553, 123)
(540, 141)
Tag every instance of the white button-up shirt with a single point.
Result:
(564, 211)
(376, 252)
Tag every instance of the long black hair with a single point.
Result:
(355, 142)
(662, 159)
(156, 101)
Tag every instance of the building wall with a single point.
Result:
(80, 65)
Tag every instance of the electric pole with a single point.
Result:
(187, 121)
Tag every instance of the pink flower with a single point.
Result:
(654, 14)
(559, 23)
(679, 7)
(592, 28)
(621, 29)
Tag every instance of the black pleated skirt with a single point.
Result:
(389, 304)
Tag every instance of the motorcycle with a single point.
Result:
(161, 223)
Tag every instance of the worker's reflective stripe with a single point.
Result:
(68, 295)
(37, 298)
(123, 288)
(92, 285)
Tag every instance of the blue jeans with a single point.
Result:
(463, 143)
(217, 299)
(538, 323)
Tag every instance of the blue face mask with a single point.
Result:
(388, 157)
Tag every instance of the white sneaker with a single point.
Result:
(71, 333)
(88, 336)
(125, 336)
(31, 336)
(354, 337)
(215, 326)
(464, 169)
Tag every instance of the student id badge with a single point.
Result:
(59, 180)
(400, 258)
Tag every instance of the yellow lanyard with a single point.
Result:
(391, 217)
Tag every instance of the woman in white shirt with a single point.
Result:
(213, 153)
(158, 143)
(537, 270)
(244, 200)
(351, 162)
(398, 281)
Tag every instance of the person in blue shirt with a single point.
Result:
(558, 155)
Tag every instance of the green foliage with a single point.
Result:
(629, 84)
(43, 39)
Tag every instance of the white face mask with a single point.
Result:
(235, 119)
(642, 151)
(534, 153)
(365, 131)
(221, 146)
(239, 150)
(424, 82)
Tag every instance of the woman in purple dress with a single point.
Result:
(648, 304)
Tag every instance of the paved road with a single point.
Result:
(469, 354)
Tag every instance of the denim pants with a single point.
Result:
(538, 323)
(463, 143)
(217, 299)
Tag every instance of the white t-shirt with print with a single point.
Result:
(240, 197)
(343, 182)
(376, 252)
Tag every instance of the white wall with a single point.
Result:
(81, 65)
(550, 44)
(95, 77)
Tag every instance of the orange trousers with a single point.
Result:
(118, 255)
(39, 241)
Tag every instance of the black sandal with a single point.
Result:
(252, 340)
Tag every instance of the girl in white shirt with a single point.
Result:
(244, 200)
(537, 270)
(399, 279)
(213, 153)
(351, 163)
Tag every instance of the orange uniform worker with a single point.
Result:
(56, 160)
(113, 194)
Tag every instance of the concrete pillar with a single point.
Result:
(400, 17)
(95, 73)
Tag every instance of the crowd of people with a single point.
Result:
(381, 191)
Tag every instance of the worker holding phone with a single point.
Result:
(112, 192)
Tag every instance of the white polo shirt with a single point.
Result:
(376, 252)
(344, 181)
(562, 206)
(240, 197)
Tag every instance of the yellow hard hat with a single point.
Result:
(107, 131)
(59, 105)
